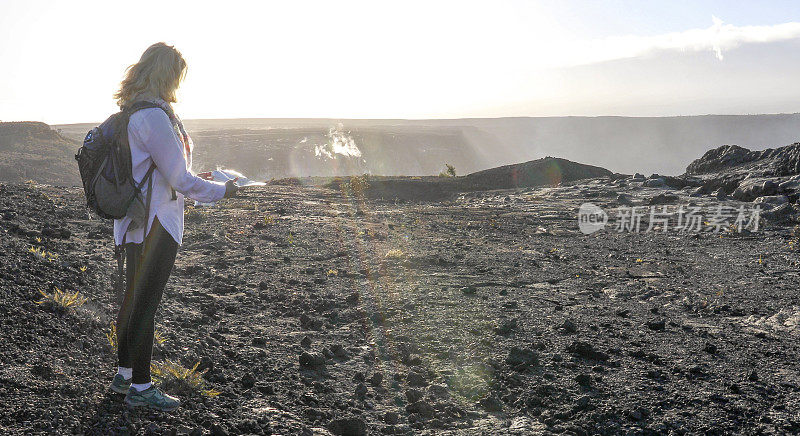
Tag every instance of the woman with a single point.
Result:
(156, 136)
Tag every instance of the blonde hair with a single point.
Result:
(158, 73)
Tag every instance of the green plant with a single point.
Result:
(182, 381)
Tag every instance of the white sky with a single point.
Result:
(61, 61)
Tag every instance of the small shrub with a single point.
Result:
(449, 172)
(355, 186)
(182, 381)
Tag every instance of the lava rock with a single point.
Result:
(310, 323)
(584, 379)
(218, 429)
(339, 351)
(391, 418)
(490, 403)
(789, 186)
(469, 290)
(311, 360)
(662, 199)
(506, 327)
(439, 392)
(353, 298)
(654, 183)
(750, 189)
(586, 350)
(771, 200)
(348, 426)
(624, 200)
(658, 325)
(416, 379)
(414, 395)
(422, 408)
(784, 213)
(248, 381)
(521, 358)
(568, 327)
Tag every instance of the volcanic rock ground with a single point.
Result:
(489, 313)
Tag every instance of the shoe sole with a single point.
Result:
(119, 389)
(149, 406)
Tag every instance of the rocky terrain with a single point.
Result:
(323, 310)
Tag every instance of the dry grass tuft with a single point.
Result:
(794, 240)
(62, 300)
(195, 215)
(395, 254)
(182, 381)
(111, 335)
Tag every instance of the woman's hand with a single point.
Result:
(231, 188)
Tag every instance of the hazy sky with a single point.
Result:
(60, 61)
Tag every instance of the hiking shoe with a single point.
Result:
(120, 385)
(151, 397)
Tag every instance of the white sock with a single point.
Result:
(141, 386)
(126, 373)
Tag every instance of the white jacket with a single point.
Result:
(152, 138)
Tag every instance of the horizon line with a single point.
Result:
(444, 119)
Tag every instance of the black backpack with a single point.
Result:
(104, 162)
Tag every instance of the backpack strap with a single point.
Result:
(139, 105)
(129, 110)
(149, 177)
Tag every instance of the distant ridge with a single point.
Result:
(548, 171)
(662, 145)
(31, 150)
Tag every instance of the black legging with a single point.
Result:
(145, 279)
